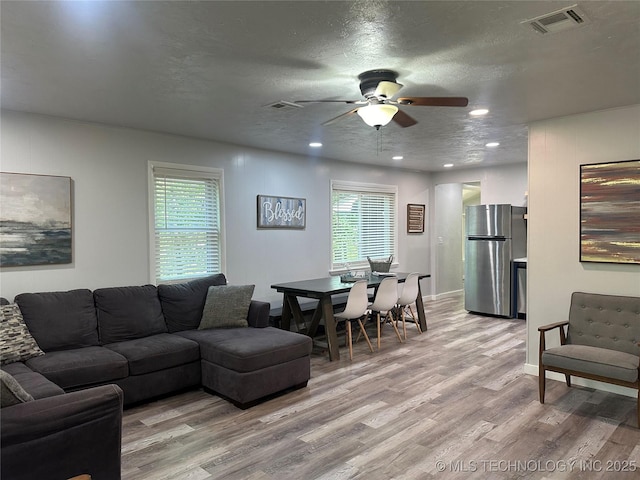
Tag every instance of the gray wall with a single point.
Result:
(448, 236)
(507, 184)
(557, 148)
(108, 166)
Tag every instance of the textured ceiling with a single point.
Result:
(208, 70)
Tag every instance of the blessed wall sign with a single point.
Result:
(281, 212)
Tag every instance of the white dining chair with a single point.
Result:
(408, 296)
(383, 304)
(355, 309)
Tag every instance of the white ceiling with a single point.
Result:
(208, 70)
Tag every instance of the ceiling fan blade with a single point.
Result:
(330, 101)
(434, 101)
(403, 119)
(339, 117)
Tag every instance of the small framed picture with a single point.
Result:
(415, 218)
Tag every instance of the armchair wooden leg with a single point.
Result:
(541, 382)
(567, 378)
(638, 408)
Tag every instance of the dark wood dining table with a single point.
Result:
(323, 289)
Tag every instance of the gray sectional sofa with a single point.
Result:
(126, 345)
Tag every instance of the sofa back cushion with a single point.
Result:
(60, 320)
(182, 303)
(605, 321)
(127, 313)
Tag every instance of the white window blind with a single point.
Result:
(363, 223)
(186, 211)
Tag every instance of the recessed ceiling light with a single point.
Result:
(492, 144)
(479, 111)
(315, 144)
(448, 165)
(397, 157)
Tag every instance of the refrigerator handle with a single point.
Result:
(494, 239)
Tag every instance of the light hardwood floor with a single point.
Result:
(450, 403)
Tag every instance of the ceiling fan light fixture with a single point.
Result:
(377, 115)
(387, 89)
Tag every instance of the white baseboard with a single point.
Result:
(531, 369)
(440, 296)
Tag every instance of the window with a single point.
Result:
(186, 222)
(363, 223)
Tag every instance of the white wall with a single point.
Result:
(108, 166)
(448, 235)
(557, 148)
(506, 184)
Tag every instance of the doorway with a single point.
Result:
(470, 196)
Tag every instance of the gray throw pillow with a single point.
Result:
(227, 306)
(11, 392)
(16, 342)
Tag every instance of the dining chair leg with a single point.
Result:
(349, 339)
(378, 323)
(366, 337)
(394, 326)
(415, 319)
(404, 324)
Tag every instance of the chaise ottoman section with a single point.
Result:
(247, 364)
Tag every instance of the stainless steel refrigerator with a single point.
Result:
(495, 235)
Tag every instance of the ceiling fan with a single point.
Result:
(378, 88)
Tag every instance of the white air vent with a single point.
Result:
(283, 104)
(569, 17)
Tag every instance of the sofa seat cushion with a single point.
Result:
(157, 352)
(127, 313)
(11, 392)
(37, 385)
(60, 320)
(249, 349)
(16, 368)
(593, 360)
(81, 367)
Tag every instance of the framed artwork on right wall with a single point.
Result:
(610, 212)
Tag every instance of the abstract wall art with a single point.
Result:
(610, 212)
(35, 219)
